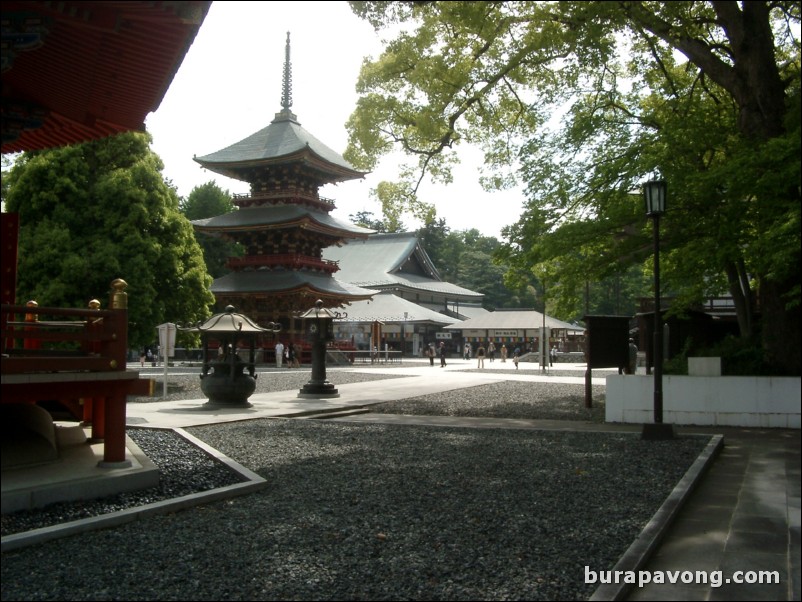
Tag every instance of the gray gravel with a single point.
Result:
(383, 512)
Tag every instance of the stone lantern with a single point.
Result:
(319, 324)
(224, 379)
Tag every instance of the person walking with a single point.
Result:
(480, 356)
(491, 351)
(430, 353)
(632, 366)
(279, 353)
(552, 355)
(442, 354)
(503, 353)
(515, 355)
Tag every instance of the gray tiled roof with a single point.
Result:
(386, 307)
(264, 281)
(379, 260)
(251, 217)
(512, 320)
(283, 139)
(470, 311)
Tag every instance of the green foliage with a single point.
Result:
(209, 200)
(366, 220)
(739, 357)
(466, 258)
(584, 101)
(94, 212)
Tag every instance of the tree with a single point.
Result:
(366, 220)
(97, 211)
(703, 94)
(209, 200)
(465, 258)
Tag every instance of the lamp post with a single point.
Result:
(320, 321)
(654, 193)
(404, 335)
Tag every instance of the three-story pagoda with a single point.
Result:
(284, 223)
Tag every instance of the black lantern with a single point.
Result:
(320, 326)
(654, 194)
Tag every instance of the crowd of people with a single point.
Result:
(483, 352)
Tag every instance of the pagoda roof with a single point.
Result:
(283, 142)
(279, 281)
(273, 216)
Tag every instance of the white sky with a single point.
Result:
(229, 87)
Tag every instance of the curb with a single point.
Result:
(113, 519)
(639, 552)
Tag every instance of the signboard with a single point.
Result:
(443, 335)
(167, 339)
(506, 333)
(607, 342)
(167, 346)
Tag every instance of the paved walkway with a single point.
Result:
(742, 514)
(742, 519)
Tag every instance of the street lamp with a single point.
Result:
(320, 326)
(654, 193)
(404, 335)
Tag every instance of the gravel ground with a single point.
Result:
(380, 512)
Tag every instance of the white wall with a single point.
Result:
(706, 400)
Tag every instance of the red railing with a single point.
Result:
(287, 196)
(289, 260)
(89, 340)
(77, 357)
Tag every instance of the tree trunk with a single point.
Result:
(741, 299)
(753, 79)
(780, 327)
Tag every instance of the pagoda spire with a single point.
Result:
(286, 87)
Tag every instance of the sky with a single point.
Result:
(230, 83)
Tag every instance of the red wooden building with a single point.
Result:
(76, 71)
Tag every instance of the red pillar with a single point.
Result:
(99, 418)
(114, 444)
(87, 411)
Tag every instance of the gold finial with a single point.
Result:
(31, 317)
(94, 304)
(119, 298)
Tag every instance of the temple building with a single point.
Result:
(413, 303)
(283, 224)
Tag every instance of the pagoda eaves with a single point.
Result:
(283, 217)
(283, 143)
